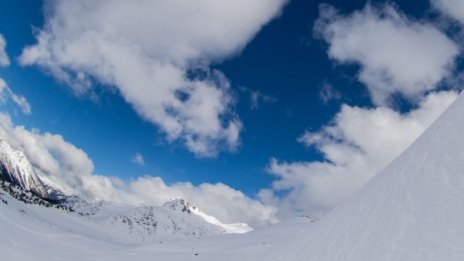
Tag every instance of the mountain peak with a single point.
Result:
(16, 168)
(179, 204)
(184, 206)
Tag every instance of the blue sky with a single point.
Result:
(111, 133)
(285, 65)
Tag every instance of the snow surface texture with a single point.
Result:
(413, 210)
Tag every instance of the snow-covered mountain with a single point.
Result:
(176, 218)
(185, 207)
(15, 168)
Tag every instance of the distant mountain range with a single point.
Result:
(176, 218)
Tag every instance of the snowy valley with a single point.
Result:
(410, 211)
(232, 130)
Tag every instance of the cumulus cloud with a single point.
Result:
(396, 54)
(358, 144)
(156, 54)
(452, 8)
(64, 166)
(4, 60)
(138, 159)
(6, 94)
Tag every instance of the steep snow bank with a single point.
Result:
(413, 210)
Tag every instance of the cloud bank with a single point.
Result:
(156, 54)
(63, 165)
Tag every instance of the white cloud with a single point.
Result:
(138, 159)
(147, 51)
(4, 60)
(356, 145)
(7, 94)
(63, 165)
(396, 53)
(452, 8)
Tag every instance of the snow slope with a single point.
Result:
(413, 210)
(32, 232)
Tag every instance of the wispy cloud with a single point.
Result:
(6, 94)
(257, 98)
(138, 159)
(328, 93)
(4, 59)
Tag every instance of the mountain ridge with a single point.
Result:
(176, 217)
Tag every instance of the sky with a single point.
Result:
(255, 111)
